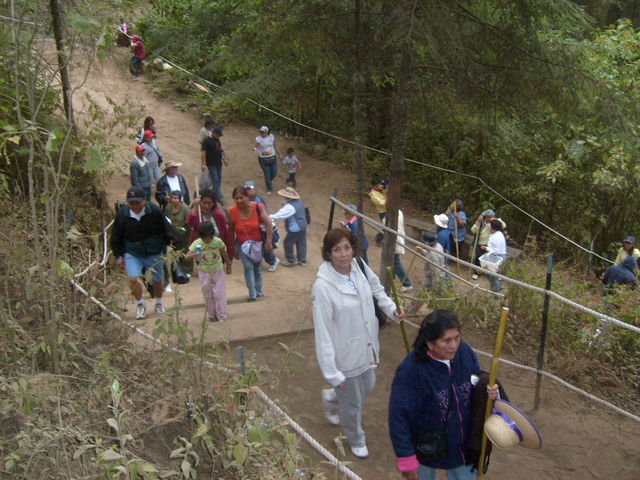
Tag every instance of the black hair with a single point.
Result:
(496, 225)
(209, 123)
(434, 327)
(290, 150)
(376, 181)
(209, 194)
(205, 229)
(176, 193)
(459, 205)
(239, 189)
(148, 122)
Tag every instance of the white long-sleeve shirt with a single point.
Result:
(285, 212)
(497, 243)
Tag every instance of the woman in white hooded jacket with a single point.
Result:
(346, 333)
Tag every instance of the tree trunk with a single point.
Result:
(56, 18)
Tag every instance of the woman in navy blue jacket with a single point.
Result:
(431, 391)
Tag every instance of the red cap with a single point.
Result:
(149, 133)
(139, 148)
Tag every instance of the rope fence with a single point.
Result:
(600, 316)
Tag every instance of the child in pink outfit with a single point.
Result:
(209, 252)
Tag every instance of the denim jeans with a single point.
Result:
(462, 472)
(252, 275)
(299, 240)
(215, 172)
(398, 271)
(269, 167)
(496, 285)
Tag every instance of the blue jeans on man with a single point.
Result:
(398, 271)
(215, 172)
(269, 167)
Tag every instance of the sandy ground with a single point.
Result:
(581, 439)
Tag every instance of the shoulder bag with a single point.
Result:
(379, 315)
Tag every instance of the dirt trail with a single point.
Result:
(581, 440)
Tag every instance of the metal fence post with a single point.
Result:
(543, 331)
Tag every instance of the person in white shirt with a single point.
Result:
(295, 221)
(268, 155)
(497, 245)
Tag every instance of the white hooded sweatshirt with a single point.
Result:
(345, 324)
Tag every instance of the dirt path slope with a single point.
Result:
(581, 440)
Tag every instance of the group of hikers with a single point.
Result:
(201, 229)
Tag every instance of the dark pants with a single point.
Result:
(398, 271)
(135, 66)
(292, 179)
(380, 235)
(269, 167)
(215, 172)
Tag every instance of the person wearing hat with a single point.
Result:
(152, 154)
(268, 154)
(212, 159)
(623, 273)
(628, 248)
(434, 269)
(139, 238)
(442, 232)
(269, 257)
(351, 224)
(140, 172)
(378, 196)
(171, 182)
(431, 393)
(295, 222)
(481, 228)
(138, 56)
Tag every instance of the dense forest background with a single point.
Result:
(537, 98)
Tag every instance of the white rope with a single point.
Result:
(105, 252)
(555, 379)
(255, 389)
(598, 315)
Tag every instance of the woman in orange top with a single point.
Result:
(246, 221)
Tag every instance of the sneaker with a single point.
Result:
(272, 268)
(268, 192)
(159, 308)
(475, 276)
(287, 263)
(141, 311)
(406, 289)
(213, 319)
(168, 288)
(249, 299)
(333, 419)
(360, 452)
(303, 264)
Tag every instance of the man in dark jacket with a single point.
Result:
(621, 274)
(139, 238)
(171, 181)
(212, 158)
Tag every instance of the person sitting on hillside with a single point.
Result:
(171, 182)
(621, 274)
(481, 228)
(628, 248)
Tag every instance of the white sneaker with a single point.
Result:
(406, 289)
(332, 418)
(168, 288)
(475, 276)
(159, 308)
(360, 452)
(141, 311)
(328, 396)
(272, 268)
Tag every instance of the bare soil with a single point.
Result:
(581, 439)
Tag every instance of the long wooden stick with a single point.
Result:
(396, 299)
(198, 196)
(455, 227)
(475, 245)
(493, 374)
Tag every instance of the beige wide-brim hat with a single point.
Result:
(509, 426)
(171, 165)
(289, 193)
(441, 220)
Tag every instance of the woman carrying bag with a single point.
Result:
(346, 333)
(245, 218)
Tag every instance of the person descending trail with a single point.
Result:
(268, 155)
(138, 56)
